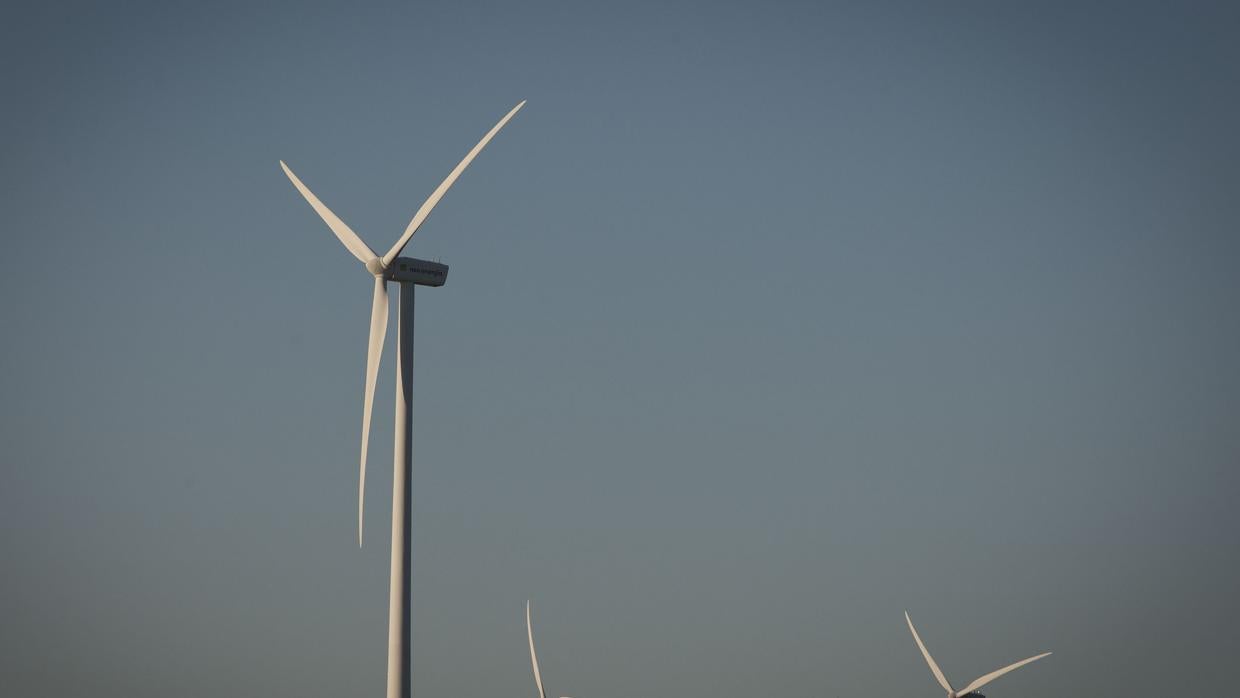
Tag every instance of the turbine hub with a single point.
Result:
(375, 266)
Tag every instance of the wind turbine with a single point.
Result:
(978, 682)
(408, 273)
(529, 630)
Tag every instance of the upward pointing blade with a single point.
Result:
(529, 630)
(978, 683)
(374, 350)
(343, 232)
(443, 187)
(938, 673)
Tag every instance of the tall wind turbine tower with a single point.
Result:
(408, 273)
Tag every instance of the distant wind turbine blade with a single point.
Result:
(529, 630)
(978, 683)
(374, 350)
(343, 232)
(938, 673)
(429, 204)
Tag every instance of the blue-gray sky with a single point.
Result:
(766, 321)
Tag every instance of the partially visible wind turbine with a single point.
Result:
(408, 273)
(978, 682)
(529, 630)
(380, 268)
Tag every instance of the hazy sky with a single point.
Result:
(766, 321)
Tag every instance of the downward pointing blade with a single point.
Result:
(374, 350)
(938, 673)
(343, 232)
(529, 630)
(978, 683)
(443, 187)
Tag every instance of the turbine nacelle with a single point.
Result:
(407, 270)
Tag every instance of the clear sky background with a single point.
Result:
(766, 321)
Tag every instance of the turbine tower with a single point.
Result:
(977, 683)
(408, 273)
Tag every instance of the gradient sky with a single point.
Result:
(766, 321)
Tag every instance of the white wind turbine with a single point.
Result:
(978, 682)
(529, 631)
(407, 272)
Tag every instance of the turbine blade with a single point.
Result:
(443, 187)
(978, 683)
(374, 350)
(529, 630)
(938, 673)
(343, 232)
